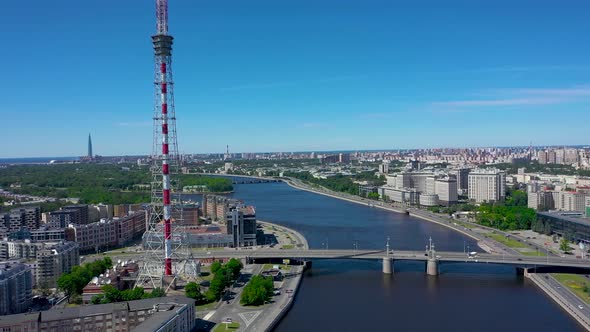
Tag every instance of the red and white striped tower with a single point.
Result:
(163, 238)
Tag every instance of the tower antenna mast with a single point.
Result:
(164, 238)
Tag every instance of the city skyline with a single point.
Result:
(326, 77)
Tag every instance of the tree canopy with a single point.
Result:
(74, 282)
(112, 294)
(95, 183)
(257, 291)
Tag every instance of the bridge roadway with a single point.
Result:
(523, 261)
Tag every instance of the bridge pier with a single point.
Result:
(432, 267)
(388, 265)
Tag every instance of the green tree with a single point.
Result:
(216, 287)
(216, 266)
(193, 290)
(132, 294)
(373, 195)
(97, 299)
(67, 284)
(74, 282)
(158, 292)
(111, 293)
(234, 267)
(257, 291)
(564, 245)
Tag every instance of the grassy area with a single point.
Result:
(282, 267)
(532, 253)
(512, 243)
(465, 224)
(206, 273)
(288, 246)
(575, 283)
(207, 306)
(226, 327)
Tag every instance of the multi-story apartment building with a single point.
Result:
(543, 200)
(446, 190)
(166, 314)
(241, 224)
(400, 195)
(22, 249)
(82, 213)
(216, 207)
(190, 214)
(45, 234)
(107, 233)
(131, 226)
(54, 260)
(24, 218)
(62, 218)
(487, 185)
(94, 236)
(551, 157)
(571, 201)
(120, 210)
(462, 175)
(542, 157)
(16, 284)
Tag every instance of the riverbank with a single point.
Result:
(286, 237)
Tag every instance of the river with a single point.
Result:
(349, 295)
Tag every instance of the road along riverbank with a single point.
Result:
(559, 296)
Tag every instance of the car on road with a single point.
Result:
(580, 306)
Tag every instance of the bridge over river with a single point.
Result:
(431, 257)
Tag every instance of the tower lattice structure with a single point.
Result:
(166, 254)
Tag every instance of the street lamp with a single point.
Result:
(387, 247)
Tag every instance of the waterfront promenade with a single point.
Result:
(284, 235)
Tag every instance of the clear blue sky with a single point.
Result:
(267, 75)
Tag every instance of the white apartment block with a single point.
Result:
(571, 201)
(487, 185)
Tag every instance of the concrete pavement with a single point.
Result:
(261, 318)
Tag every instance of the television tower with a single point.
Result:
(164, 252)
(89, 147)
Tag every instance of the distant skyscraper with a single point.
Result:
(89, 146)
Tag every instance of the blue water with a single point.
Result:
(36, 160)
(348, 295)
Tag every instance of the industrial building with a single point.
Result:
(575, 228)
